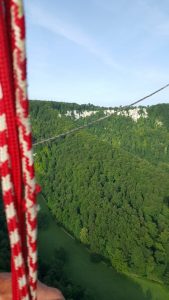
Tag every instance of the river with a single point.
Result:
(101, 281)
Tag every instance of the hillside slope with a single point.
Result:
(108, 184)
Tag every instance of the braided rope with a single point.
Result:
(8, 197)
(25, 139)
(18, 179)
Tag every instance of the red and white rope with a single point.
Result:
(11, 214)
(25, 139)
(18, 179)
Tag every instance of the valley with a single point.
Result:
(107, 184)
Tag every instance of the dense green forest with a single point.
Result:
(148, 138)
(108, 184)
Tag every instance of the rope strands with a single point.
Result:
(96, 121)
(25, 139)
(16, 158)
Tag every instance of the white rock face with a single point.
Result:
(159, 123)
(68, 113)
(109, 112)
(122, 113)
(137, 113)
(134, 113)
(78, 114)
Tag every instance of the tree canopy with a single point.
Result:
(108, 184)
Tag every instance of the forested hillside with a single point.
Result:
(108, 184)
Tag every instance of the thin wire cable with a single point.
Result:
(98, 120)
(150, 95)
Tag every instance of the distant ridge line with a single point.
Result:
(98, 120)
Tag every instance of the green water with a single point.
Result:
(102, 281)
